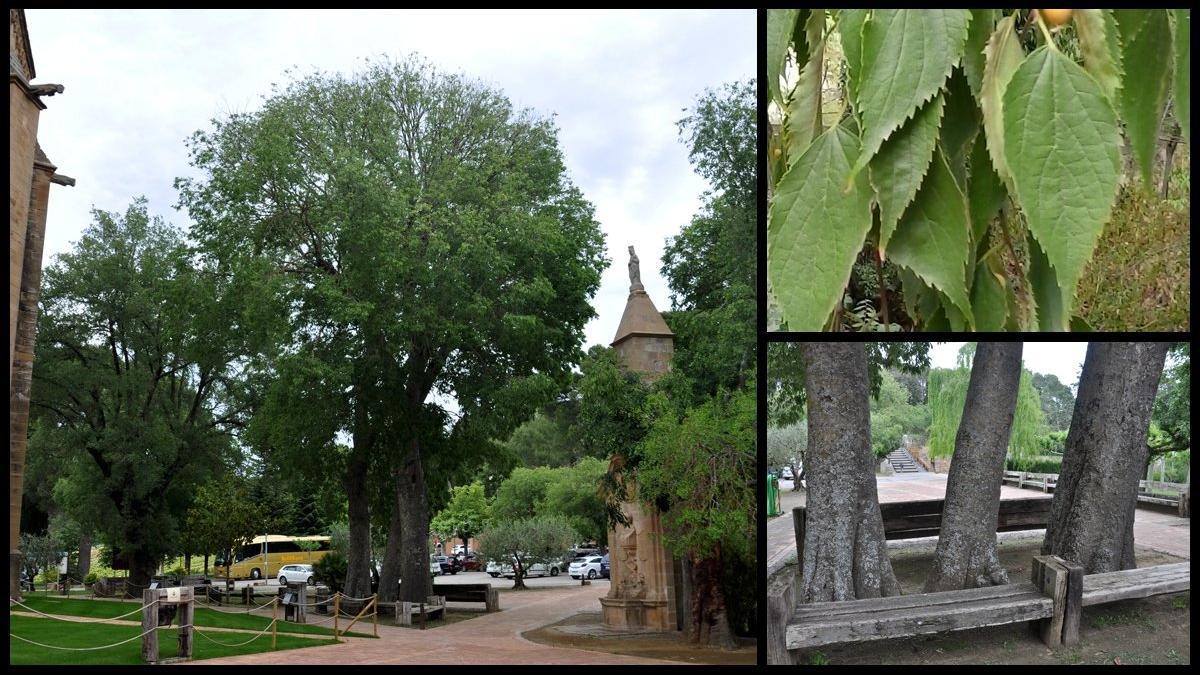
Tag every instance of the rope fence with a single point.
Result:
(80, 620)
(239, 644)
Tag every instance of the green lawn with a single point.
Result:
(59, 633)
(107, 609)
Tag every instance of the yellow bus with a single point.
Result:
(265, 554)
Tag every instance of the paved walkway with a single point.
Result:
(1152, 528)
(489, 639)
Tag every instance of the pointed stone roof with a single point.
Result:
(641, 317)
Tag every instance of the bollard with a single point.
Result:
(422, 616)
(375, 616)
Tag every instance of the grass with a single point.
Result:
(1116, 617)
(58, 633)
(1181, 601)
(1139, 277)
(107, 609)
(818, 659)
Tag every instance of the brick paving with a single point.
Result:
(489, 639)
(1158, 530)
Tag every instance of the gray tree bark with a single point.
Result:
(1091, 518)
(966, 549)
(413, 507)
(845, 555)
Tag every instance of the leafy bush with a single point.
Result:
(91, 578)
(1040, 464)
(1053, 443)
(177, 571)
(331, 570)
(47, 577)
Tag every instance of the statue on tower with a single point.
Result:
(635, 272)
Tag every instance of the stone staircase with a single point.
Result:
(902, 462)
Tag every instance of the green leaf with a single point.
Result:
(907, 55)
(989, 299)
(850, 29)
(1053, 300)
(815, 231)
(900, 166)
(933, 238)
(780, 23)
(1101, 48)
(1146, 58)
(1004, 56)
(1183, 71)
(985, 193)
(1061, 143)
(960, 125)
(803, 120)
(983, 22)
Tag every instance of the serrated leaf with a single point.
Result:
(960, 125)
(780, 23)
(850, 26)
(1100, 47)
(815, 230)
(983, 22)
(803, 120)
(1004, 56)
(985, 193)
(1183, 71)
(907, 55)
(1061, 144)
(989, 299)
(920, 301)
(1053, 300)
(1146, 59)
(933, 237)
(900, 166)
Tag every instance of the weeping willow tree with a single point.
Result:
(948, 394)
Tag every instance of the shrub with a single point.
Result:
(91, 578)
(47, 577)
(331, 570)
(1041, 464)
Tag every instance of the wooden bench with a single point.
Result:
(484, 593)
(1054, 598)
(419, 612)
(910, 520)
(1046, 481)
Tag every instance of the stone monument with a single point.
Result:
(641, 596)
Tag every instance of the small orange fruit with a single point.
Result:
(1055, 17)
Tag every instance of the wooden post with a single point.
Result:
(150, 626)
(337, 610)
(187, 613)
(274, 623)
(1074, 606)
(422, 616)
(375, 617)
(1051, 577)
(800, 524)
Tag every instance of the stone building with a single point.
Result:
(642, 592)
(30, 174)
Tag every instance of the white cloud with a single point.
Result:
(139, 82)
(1064, 360)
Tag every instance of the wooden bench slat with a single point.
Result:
(919, 620)
(1136, 583)
(849, 607)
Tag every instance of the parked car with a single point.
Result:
(471, 562)
(604, 571)
(786, 474)
(589, 567)
(295, 574)
(495, 569)
(450, 565)
(435, 567)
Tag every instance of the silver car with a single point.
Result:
(296, 574)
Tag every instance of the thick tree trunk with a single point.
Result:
(85, 553)
(966, 549)
(205, 565)
(1091, 518)
(187, 562)
(845, 554)
(413, 505)
(710, 620)
(358, 575)
(141, 570)
(389, 589)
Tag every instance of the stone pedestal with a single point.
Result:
(642, 593)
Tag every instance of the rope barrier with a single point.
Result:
(85, 649)
(80, 620)
(347, 597)
(260, 634)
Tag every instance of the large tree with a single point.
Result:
(1057, 400)
(137, 362)
(428, 241)
(966, 549)
(845, 552)
(465, 516)
(1091, 518)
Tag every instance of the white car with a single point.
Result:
(296, 574)
(585, 567)
(786, 474)
(495, 569)
(435, 567)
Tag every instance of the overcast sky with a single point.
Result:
(139, 82)
(1061, 359)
